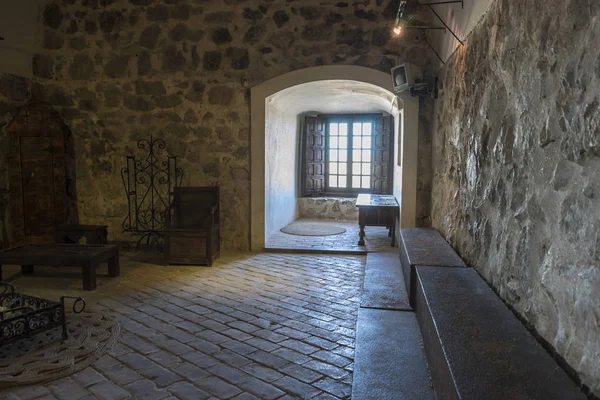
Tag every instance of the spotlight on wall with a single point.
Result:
(406, 9)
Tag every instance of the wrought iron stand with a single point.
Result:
(149, 184)
(23, 316)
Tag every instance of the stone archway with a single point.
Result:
(405, 176)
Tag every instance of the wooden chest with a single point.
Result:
(192, 247)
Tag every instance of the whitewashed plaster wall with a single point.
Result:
(281, 168)
(460, 20)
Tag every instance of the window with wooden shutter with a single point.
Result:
(314, 156)
(347, 154)
(381, 175)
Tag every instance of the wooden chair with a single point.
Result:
(192, 233)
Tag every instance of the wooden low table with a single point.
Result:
(377, 210)
(94, 234)
(85, 256)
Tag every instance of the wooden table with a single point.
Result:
(377, 210)
(94, 234)
(85, 256)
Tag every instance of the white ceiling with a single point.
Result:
(333, 96)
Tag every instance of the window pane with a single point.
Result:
(356, 155)
(366, 155)
(366, 129)
(366, 142)
(333, 129)
(333, 142)
(333, 155)
(342, 182)
(333, 168)
(356, 182)
(366, 182)
(356, 129)
(343, 129)
(333, 182)
(343, 156)
(343, 169)
(343, 142)
(366, 169)
(356, 144)
(355, 168)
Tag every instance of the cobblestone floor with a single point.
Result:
(253, 326)
(376, 238)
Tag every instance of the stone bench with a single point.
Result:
(475, 346)
(424, 246)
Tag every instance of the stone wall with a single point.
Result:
(328, 208)
(14, 93)
(424, 162)
(120, 70)
(516, 187)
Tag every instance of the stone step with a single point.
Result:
(389, 361)
(424, 246)
(384, 283)
(476, 347)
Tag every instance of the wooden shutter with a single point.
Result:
(314, 156)
(381, 176)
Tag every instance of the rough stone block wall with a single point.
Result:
(516, 185)
(120, 70)
(328, 208)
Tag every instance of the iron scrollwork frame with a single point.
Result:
(149, 184)
(23, 316)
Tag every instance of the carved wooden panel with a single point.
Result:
(381, 178)
(37, 176)
(314, 156)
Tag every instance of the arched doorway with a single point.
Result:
(406, 112)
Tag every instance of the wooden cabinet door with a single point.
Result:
(37, 173)
(314, 156)
(381, 176)
(38, 190)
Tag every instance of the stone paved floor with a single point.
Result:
(376, 238)
(253, 326)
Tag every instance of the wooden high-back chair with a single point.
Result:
(192, 235)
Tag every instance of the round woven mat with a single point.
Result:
(312, 229)
(46, 357)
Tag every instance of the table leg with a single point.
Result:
(361, 239)
(362, 221)
(393, 231)
(113, 266)
(27, 270)
(104, 239)
(88, 274)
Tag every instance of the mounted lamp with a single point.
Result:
(405, 10)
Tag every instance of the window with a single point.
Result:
(347, 154)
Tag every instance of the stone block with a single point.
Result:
(486, 352)
(424, 246)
